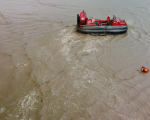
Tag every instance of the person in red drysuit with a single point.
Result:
(143, 69)
(108, 19)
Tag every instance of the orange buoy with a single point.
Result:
(143, 69)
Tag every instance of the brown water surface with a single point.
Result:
(49, 71)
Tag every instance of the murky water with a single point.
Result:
(49, 71)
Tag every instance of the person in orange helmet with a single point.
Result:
(99, 22)
(146, 70)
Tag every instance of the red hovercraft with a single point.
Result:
(115, 25)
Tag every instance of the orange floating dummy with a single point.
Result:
(143, 69)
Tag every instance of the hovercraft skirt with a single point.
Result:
(103, 29)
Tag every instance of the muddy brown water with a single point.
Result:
(49, 71)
